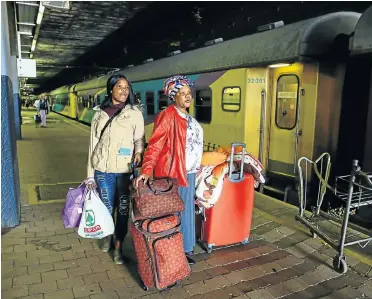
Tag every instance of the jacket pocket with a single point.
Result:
(123, 161)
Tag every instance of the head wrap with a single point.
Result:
(173, 84)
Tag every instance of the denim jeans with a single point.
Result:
(188, 214)
(114, 191)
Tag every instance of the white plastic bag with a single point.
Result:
(96, 221)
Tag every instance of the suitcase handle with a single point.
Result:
(236, 177)
(157, 192)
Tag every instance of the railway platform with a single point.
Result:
(41, 259)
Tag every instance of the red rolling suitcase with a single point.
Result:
(229, 220)
(159, 249)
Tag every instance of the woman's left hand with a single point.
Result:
(137, 159)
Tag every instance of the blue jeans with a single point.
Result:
(114, 191)
(188, 214)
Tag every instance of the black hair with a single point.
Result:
(107, 102)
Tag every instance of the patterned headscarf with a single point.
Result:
(173, 84)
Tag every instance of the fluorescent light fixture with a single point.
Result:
(279, 65)
(174, 53)
(40, 14)
(215, 41)
(33, 46)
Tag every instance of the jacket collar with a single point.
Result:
(97, 108)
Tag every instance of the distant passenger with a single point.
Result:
(183, 135)
(113, 148)
(43, 109)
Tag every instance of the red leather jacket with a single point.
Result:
(165, 155)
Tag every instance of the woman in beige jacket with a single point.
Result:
(117, 140)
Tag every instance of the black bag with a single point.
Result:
(37, 118)
(43, 105)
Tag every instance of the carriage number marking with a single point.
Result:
(256, 80)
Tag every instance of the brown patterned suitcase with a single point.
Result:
(159, 249)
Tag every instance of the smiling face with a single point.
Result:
(183, 98)
(120, 92)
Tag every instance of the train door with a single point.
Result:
(284, 136)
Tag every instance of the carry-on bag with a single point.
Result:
(73, 209)
(229, 220)
(37, 118)
(158, 197)
(158, 244)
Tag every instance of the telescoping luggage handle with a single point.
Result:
(236, 177)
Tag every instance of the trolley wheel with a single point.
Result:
(145, 288)
(245, 241)
(340, 264)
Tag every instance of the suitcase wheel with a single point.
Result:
(145, 288)
(245, 241)
(170, 286)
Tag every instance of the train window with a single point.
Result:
(97, 101)
(286, 101)
(137, 96)
(163, 100)
(90, 101)
(85, 102)
(203, 106)
(231, 99)
(64, 101)
(150, 103)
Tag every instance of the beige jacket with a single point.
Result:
(123, 138)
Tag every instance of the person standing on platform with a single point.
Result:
(117, 140)
(43, 109)
(177, 137)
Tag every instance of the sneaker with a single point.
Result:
(118, 257)
(106, 244)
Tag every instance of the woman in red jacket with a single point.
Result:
(175, 150)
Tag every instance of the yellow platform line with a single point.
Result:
(299, 227)
(32, 198)
(77, 126)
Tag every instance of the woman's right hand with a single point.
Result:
(90, 183)
(141, 177)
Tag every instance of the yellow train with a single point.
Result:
(281, 91)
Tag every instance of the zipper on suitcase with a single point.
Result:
(153, 247)
(158, 218)
(147, 240)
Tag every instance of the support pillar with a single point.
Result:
(10, 187)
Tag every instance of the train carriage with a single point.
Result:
(280, 91)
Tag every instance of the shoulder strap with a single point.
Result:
(109, 121)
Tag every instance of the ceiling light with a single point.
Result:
(279, 65)
(215, 41)
(33, 46)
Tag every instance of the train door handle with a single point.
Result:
(298, 133)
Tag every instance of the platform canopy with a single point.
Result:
(361, 42)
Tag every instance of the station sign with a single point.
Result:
(26, 68)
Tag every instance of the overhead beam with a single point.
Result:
(26, 24)
(27, 4)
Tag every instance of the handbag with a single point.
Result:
(73, 209)
(158, 197)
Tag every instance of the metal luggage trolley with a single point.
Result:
(355, 190)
